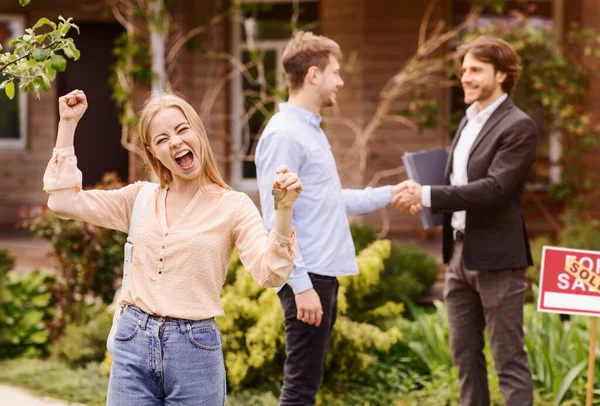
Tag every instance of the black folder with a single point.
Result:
(427, 168)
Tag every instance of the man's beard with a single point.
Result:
(485, 92)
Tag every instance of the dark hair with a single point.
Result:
(496, 51)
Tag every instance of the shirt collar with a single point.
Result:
(302, 114)
(472, 112)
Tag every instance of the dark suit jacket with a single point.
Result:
(497, 168)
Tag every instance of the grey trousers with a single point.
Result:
(493, 299)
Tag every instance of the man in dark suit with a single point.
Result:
(485, 242)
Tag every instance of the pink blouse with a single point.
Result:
(176, 271)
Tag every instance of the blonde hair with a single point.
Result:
(305, 50)
(209, 171)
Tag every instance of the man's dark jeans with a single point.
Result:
(306, 345)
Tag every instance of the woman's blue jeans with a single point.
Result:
(166, 361)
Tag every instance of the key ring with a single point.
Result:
(278, 195)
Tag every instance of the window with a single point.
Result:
(259, 34)
(12, 112)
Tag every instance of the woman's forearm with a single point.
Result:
(283, 221)
(66, 133)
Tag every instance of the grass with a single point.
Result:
(54, 379)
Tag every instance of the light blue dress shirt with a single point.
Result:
(293, 137)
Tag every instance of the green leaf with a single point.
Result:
(39, 337)
(68, 52)
(568, 380)
(51, 73)
(10, 90)
(40, 54)
(46, 85)
(44, 21)
(58, 63)
(24, 2)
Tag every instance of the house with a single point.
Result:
(377, 38)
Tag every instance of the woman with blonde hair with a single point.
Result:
(167, 347)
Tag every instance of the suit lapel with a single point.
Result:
(461, 126)
(494, 119)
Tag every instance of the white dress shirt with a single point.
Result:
(460, 158)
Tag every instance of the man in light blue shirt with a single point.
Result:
(293, 137)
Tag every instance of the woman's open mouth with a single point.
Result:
(185, 159)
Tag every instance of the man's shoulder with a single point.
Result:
(281, 128)
(517, 117)
(518, 114)
(281, 123)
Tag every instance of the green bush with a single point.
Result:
(409, 272)
(362, 236)
(583, 236)
(557, 352)
(7, 262)
(84, 343)
(576, 235)
(558, 355)
(532, 275)
(26, 314)
(253, 337)
(55, 379)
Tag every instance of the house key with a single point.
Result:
(278, 194)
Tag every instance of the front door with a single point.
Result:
(98, 137)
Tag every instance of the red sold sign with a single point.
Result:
(570, 281)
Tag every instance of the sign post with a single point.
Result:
(570, 284)
(591, 362)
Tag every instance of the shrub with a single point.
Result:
(252, 328)
(7, 262)
(409, 271)
(26, 315)
(583, 236)
(362, 236)
(557, 352)
(575, 234)
(408, 274)
(86, 342)
(55, 379)
(532, 274)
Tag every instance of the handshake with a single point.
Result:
(406, 197)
